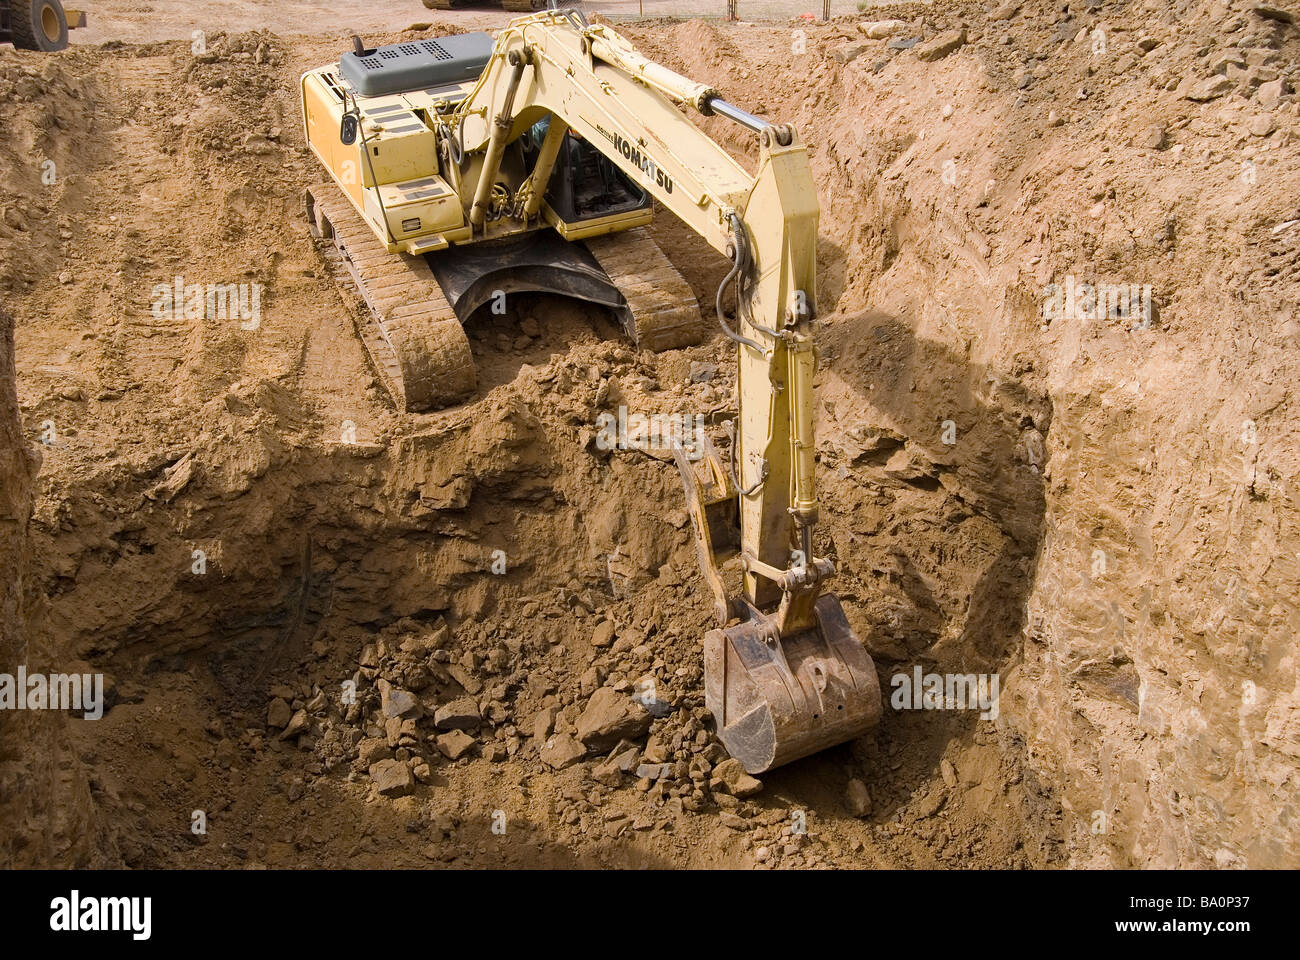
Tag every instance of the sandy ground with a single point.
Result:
(953, 189)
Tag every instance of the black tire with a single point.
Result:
(38, 25)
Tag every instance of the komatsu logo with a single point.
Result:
(653, 172)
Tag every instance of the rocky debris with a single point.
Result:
(299, 723)
(393, 730)
(931, 803)
(655, 750)
(13, 217)
(460, 714)
(702, 371)
(846, 53)
(1154, 138)
(455, 744)
(941, 46)
(468, 682)
(611, 716)
(948, 772)
(1261, 126)
(392, 778)
(396, 702)
(1266, 12)
(544, 722)
(1211, 88)
(279, 713)
(603, 635)
(175, 479)
(1005, 11)
(1270, 94)
(730, 777)
(624, 757)
(562, 750)
(859, 799)
(373, 749)
(880, 29)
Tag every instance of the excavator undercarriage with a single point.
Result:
(468, 169)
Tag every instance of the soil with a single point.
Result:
(233, 524)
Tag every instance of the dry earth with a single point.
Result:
(1100, 508)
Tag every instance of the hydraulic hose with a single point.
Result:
(739, 261)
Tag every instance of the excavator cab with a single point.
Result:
(585, 183)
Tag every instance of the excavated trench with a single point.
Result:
(237, 529)
(234, 527)
(271, 571)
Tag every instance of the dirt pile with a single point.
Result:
(339, 635)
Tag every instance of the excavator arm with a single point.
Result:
(441, 152)
(788, 677)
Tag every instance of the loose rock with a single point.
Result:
(859, 798)
(396, 702)
(454, 745)
(278, 714)
(460, 714)
(941, 46)
(730, 777)
(561, 751)
(880, 29)
(610, 717)
(392, 779)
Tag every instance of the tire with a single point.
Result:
(38, 25)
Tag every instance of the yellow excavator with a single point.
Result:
(38, 24)
(464, 166)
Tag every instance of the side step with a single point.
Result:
(414, 340)
(665, 313)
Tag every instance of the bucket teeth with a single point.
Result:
(417, 346)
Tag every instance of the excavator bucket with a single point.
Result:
(778, 699)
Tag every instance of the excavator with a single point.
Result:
(464, 166)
